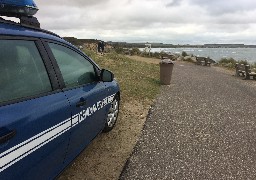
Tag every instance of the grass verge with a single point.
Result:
(138, 80)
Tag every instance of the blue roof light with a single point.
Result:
(17, 8)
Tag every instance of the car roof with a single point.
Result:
(10, 28)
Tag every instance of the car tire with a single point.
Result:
(112, 115)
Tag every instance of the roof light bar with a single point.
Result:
(17, 8)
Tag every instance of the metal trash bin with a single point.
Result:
(166, 67)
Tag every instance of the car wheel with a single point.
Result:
(112, 115)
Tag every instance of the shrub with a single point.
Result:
(253, 65)
(135, 51)
(227, 60)
(119, 50)
(229, 65)
(230, 62)
(189, 59)
(184, 54)
(144, 54)
(156, 55)
(243, 62)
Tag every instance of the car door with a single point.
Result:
(85, 93)
(35, 116)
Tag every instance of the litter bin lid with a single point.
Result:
(166, 61)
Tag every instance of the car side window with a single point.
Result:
(75, 69)
(22, 71)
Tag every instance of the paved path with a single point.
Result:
(202, 126)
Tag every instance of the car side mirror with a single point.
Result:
(106, 75)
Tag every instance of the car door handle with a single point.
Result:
(82, 102)
(7, 136)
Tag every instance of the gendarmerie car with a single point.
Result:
(54, 99)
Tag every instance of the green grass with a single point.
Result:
(137, 80)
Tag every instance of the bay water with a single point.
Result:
(216, 54)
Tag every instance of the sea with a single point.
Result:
(216, 54)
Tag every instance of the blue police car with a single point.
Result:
(54, 99)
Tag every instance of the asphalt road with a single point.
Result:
(202, 126)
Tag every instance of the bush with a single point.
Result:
(135, 51)
(243, 62)
(184, 54)
(144, 54)
(229, 65)
(227, 60)
(156, 55)
(189, 59)
(253, 65)
(230, 62)
(119, 50)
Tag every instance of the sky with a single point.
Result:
(159, 21)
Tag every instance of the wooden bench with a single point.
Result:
(245, 71)
(203, 61)
(208, 61)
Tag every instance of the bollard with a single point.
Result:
(166, 67)
(237, 72)
(247, 67)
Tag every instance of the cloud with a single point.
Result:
(174, 3)
(219, 7)
(74, 3)
(189, 21)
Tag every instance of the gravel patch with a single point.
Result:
(202, 126)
